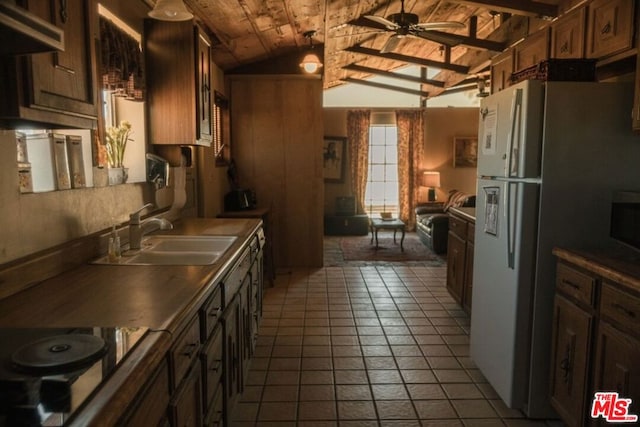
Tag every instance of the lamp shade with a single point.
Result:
(310, 63)
(431, 179)
(170, 10)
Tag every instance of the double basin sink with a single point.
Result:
(174, 250)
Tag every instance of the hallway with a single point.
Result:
(367, 346)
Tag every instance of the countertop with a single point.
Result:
(622, 269)
(162, 298)
(467, 213)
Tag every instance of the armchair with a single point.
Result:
(432, 220)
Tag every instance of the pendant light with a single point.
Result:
(310, 63)
(170, 10)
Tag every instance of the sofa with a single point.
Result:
(432, 219)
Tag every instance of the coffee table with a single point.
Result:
(381, 224)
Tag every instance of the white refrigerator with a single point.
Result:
(549, 157)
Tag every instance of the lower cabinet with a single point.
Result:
(205, 369)
(595, 343)
(460, 245)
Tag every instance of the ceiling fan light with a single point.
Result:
(310, 63)
(170, 10)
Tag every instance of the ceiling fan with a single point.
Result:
(405, 24)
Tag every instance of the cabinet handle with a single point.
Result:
(216, 312)
(624, 310)
(606, 29)
(565, 365)
(570, 283)
(565, 47)
(216, 367)
(190, 349)
(63, 11)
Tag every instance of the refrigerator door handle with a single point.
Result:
(513, 145)
(511, 223)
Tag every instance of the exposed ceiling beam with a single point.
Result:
(376, 71)
(386, 86)
(409, 59)
(472, 41)
(516, 7)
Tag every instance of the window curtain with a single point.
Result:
(121, 61)
(358, 143)
(410, 125)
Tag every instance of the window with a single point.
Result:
(221, 130)
(382, 186)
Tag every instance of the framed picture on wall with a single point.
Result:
(465, 151)
(334, 158)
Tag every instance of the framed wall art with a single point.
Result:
(465, 152)
(334, 158)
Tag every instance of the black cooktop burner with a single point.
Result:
(59, 354)
(47, 375)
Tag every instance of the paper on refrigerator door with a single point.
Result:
(492, 197)
(490, 130)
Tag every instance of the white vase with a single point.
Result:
(118, 175)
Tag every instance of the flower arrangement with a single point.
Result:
(117, 138)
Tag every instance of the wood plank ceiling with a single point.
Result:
(250, 31)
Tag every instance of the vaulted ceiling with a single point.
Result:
(251, 31)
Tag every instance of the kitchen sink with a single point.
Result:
(175, 250)
(188, 243)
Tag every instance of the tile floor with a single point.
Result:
(367, 345)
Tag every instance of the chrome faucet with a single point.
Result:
(137, 229)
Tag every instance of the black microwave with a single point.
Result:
(625, 218)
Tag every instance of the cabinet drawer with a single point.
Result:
(621, 307)
(215, 415)
(213, 367)
(471, 232)
(210, 313)
(184, 351)
(576, 284)
(233, 281)
(458, 226)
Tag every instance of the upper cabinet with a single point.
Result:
(57, 88)
(501, 70)
(178, 55)
(531, 50)
(567, 35)
(610, 27)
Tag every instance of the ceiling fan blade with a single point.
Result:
(383, 21)
(440, 25)
(437, 37)
(391, 44)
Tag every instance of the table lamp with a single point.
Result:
(431, 179)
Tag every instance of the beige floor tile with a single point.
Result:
(474, 409)
(348, 363)
(317, 392)
(380, 362)
(452, 376)
(425, 391)
(384, 376)
(389, 392)
(278, 411)
(351, 376)
(245, 411)
(353, 392)
(395, 410)
(354, 410)
(280, 393)
(283, 377)
(317, 410)
(462, 391)
(316, 377)
(434, 409)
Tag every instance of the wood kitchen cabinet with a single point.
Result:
(568, 35)
(595, 338)
(55, 88)
(178, 55)
(460, 246)
(610, 27)
(501, 70)
(531, 51)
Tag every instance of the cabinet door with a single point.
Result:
(246, 321)
(617, 366)
(610, 28)
(56, 87)
(152, 406)
(231, 358)
(455, 266)
(186, 405)
(533, 50)
(203, 88)
(568, 34)
(569, 360)
(501, 70)
(468, 278)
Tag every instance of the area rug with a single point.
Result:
(360, 248)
